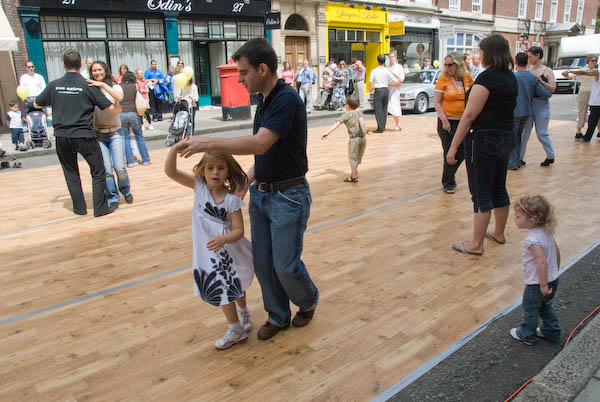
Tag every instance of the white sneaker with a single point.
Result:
(230, 338)
(514, 334)
(539, 333)
(143, 128)
(151, 128)
(244, 318)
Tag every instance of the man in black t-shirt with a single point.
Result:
(280, 199)
(73, 102)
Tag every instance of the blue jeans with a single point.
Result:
(534, 305)
(541, 118)
(130, 120)
(113, 154)
(486, 155)
(514, 160)
(278, 221)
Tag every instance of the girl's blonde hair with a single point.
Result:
(236, 179)
(461, 67)
(538, 208)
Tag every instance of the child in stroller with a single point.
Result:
(181, 126)
(37, 127)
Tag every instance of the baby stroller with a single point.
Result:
(37, 129)
(6, 159)
(181, 126)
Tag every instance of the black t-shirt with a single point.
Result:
(498, 110)
(73, 102)
(284, 113)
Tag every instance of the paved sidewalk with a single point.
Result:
(209, 120)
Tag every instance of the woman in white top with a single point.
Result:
(594, 101)
(584, 92)
(189, 93)
(394, 107)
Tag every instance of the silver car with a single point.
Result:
(416, 93)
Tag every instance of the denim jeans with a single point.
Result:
(514, 160)
(113, 153)
(534, 305)
(278, 221)
(67, 150)
(449, 172)
(486, 154)
(130, 120)
(541, 118)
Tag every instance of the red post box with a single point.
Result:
(235, 100)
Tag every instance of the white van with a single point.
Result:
(572, 52)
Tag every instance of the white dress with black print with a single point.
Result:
(219, 277)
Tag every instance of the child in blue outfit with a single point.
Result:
(541, 259)
(16, 126)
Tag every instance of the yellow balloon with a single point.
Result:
(436, 63)
(22, 91)
(189, 72)
(417, 66)
(181, 80)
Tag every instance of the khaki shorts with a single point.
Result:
(356, 149)
(582, 105)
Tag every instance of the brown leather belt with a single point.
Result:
(265, 187)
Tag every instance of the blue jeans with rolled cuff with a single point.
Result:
(113, 154)
(537, 305)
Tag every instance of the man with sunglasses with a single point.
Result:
(34, 82)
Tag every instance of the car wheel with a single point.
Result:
(421, 103)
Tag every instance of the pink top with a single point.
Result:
(142, 85)
(288, 76)
(539, 237)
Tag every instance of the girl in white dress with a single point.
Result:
(223, 265)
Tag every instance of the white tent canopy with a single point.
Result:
(8, 40)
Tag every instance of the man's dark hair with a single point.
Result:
(381, 59)
(352, 101)
(496, 52)
(72, 59)
(521, 59)
(129, 78)
(12, 103)
(29, 61)
(153, 61)
(538, 51)
(257, 51)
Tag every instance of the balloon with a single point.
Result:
(417, 66)
(22, 91)
(181, 80)
(436, 63)
(188, 71)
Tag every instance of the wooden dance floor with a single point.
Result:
(103, 309)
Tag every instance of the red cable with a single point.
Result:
(566, 343)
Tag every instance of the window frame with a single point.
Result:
(567, 15)
(524, 8)
(477, 3)
(579, 15)
(553, 10)
(539, 3)
(455, 6)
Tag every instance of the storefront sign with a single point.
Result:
(396, 28)
(358, 14)
(254, 8)
(273, 20)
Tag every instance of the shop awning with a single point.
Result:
(8, 40)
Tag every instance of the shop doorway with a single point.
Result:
(202, 71)
(296, 49)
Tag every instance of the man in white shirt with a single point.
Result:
(34, 82)
(379, 80)
(86, 71)
(476, 67)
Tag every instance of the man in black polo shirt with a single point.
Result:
(73, 102)
(280, 199)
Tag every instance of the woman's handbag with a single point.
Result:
(141, 104)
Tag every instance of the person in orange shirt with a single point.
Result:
(449, 101)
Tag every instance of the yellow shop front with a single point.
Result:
(356, 31)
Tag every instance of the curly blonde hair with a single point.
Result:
(461, 67)
(236, 179)
(538, 208)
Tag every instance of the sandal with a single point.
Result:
(351, 179)
(492, 237)
(460, 247)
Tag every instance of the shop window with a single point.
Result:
(340, 35)
(296, 23)
(248, 30)
(96, 27)
(230, 29)
(201, 29)
(215, 29)
(116, 28)
(154, 29)
(351, 35)
(373, 36)
(135, 29)
(63, 27)
(360, 36)
(54, 51)
(331, 35)
(185, 29)
(258, 30)
(136, 54)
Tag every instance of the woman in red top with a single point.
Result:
(287, 73)
(122, 70)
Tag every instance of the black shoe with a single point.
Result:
(268, 330)
(302, 318)
(578, 136)
(378, 131)
(523, 163)
(113, 206)
(80, 212)
(108, 211)
(129, 198)
(547, 162)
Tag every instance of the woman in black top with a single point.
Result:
(486, 128)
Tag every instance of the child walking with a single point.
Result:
(223, 265)
(541, 259)
(16, 126)
(355, 123)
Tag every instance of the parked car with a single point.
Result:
(564, 85)
(416, 93)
